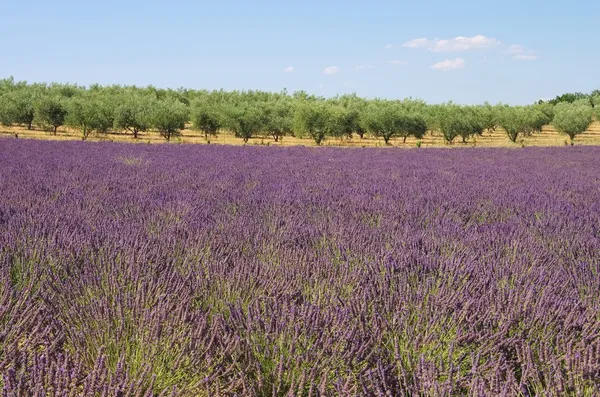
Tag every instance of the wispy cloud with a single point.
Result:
(289, 69)
(456, 44)
(515, 49)
(364, 67)
(416, 43)
(331, 70)
(388, 46)
(398, 62)
(520, 53)
(449, 64)
(525, 57)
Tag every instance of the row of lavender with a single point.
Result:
(177, 270)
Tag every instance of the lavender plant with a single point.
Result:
(199, 271)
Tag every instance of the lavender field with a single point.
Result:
(252, 271)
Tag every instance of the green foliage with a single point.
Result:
(279, 118)
(592, 99)
(534, 120)
(245, 120)
(513, 120)
(572, 118)
(384, 120)
(389, 119)
(525, 120)
(490, 116)
(357, 114)
(207, 117)
(547, 110)
(568, 98)
(17, 107)
(7, 110)
(91, 112)
(463, 121)
(134, 114)
(50, 112)
(318, 120)
(352, 114)
(133, 109)
(433, 116)
(169, 116)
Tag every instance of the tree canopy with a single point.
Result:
(247, 114)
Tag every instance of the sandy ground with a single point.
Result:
(548, 137)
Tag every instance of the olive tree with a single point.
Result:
(17, 107)
(572, 118)
(547, 110)
(460, 121)
(279, 118)
(489, 117)
(50, 112)
(357, 117)
(133, 114)
(414, 125)
(169, 116)
(91, 113)
(350, 118)
(595, 100)
(207, 117)
(318, 119)
(7, 110)
(389, 119)
(245, 120)
(514, 121)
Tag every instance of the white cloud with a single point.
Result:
(416, 43)
(363, 67)
(525, 57)
(449, 64)
(456, 44)
(521, 53)
(398, 62)
(289, 69)
(515, 49)
(331, 70)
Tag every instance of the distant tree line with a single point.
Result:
(593, 98)
(101, 109)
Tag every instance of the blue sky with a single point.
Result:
(510, 51)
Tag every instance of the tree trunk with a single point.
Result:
(276, 137)
(29, 125)
(55, 128)
(246, 139)
(404, 139)
(386, 139)
(135, 133)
